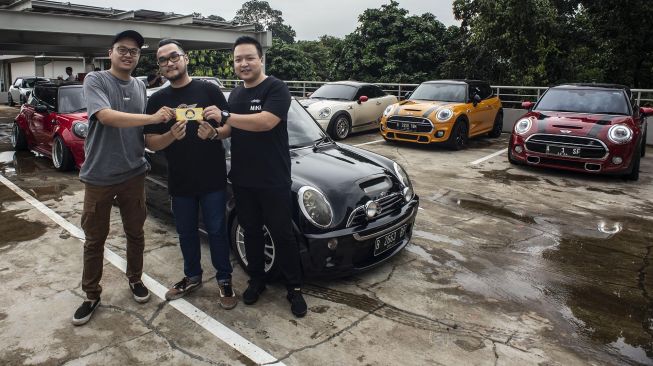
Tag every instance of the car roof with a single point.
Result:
(350, 83)
(593, 85)
(66, 84)
(456, 81)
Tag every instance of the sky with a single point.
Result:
(309, 18)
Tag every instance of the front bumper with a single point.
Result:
(440, 134)
(355, 250)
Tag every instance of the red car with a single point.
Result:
(592, 128)
(53, 122)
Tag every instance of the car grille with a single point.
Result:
(590, 148)
(387, 205)
(410, 124)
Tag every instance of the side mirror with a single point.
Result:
(407, 96)
(40, 108)
(527, 105)
(476, 99)
(362, 99)
(308, 95)
(646, 111)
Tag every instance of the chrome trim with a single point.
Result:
(300, 201)
(352, 215)
(389, 119)
(386, 230)
(560, 144)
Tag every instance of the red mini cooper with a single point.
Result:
(53, 123)
(592, 128)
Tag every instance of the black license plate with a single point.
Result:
(563, 151)
(389, 240)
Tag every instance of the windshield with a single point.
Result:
(596, 101)
(440, 92)
(29, 83)
(335, 91)
(71, 100)
(302, 129)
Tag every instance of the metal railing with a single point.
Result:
(511, 95)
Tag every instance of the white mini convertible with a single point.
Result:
(344, 107)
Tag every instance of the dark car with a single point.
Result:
(352, 209)
(53, 122)
(593, 128)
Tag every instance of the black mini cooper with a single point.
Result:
(353, 209)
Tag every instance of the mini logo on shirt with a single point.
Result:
(255, 105)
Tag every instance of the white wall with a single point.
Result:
(55, 69)
(25, 68)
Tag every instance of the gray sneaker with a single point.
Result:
(181, 288)
(228, 299)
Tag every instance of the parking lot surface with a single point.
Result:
(508, 266)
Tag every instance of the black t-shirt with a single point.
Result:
(195, 166)
(261, 159)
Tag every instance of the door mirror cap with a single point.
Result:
(362, 99)
(476, 99)
(646, 111)
(527, 105)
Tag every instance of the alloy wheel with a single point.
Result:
(269, 251)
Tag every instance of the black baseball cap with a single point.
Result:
(129, 34)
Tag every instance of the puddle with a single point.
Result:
(438, 238)
(606, 191)
(492, 210)
(415, 249)
(502, 176)
(16, 229)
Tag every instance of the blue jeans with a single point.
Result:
(186, 212)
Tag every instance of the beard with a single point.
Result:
(181, 72)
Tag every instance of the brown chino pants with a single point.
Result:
(98, 200)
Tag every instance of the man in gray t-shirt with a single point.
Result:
(115, 167)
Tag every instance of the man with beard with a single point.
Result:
(196, 171)
(115, 167)
(260, 170)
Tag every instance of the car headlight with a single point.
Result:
(324, 112)
(315, 206)
(387, 110)
(403, 176)
(444, 114)
(523, 125)
(80, 129)
(620, 134)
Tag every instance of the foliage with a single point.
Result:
(263, 17)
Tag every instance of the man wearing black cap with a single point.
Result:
(115, 167)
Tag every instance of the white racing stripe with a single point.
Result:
(369, 143)
(502, 151)
(219, 330)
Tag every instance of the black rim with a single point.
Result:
(462, 134)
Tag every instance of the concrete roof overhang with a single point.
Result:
(32, 33)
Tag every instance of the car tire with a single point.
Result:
(643, 153)
(497, 128)
(18, 138)
(62, 158)
(339, 126)
(22, 99)
(634, 166)
(236, 237)
(10, 100)
(459, 137)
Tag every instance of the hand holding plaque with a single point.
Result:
(189, 114)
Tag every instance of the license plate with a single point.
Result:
(562, 151)
(389, 240)
(407, 126)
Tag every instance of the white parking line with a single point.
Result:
(219, 330)
(369, 143)
(502, 151)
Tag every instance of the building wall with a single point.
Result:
(24, 68)
(55, 69)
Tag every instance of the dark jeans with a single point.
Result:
(186, 212)
(130, 196)
(271, 207)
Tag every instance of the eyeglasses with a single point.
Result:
(174, 57)
(123, 51)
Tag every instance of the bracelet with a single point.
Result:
(217, 133)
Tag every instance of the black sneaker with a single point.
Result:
(297, 303)
(85, 311)
(254, 289)
(182, 287)
(140, 292)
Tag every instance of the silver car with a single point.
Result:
(20, 90)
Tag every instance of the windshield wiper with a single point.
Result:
(321, 141)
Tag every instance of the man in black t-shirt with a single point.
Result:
(196, 171)
(260, 170)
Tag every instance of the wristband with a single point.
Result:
(217, 133)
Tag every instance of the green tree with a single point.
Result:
(261, 14)
(289, 62)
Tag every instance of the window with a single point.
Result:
(486, 91)
(18, 83)
(47, 96)
(376, 92)
(473, 90)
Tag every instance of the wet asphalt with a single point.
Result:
(508, 265)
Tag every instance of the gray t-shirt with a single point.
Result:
(113, 155)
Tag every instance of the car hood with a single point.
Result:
(350, 178)
(314, 106)
(420, 107)
(72, 117)
(576, 124)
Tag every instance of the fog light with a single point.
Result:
(371, 209)
(408, 194)
(617, 160)
(519, 149)
(439, 134)
(332, 244)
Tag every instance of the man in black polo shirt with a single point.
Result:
(196, 171)
(260, 170)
